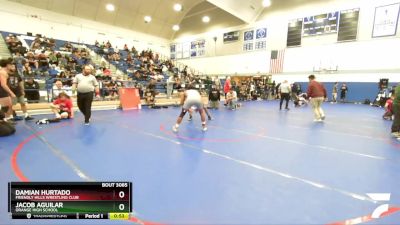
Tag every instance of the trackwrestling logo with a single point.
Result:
(382, 208)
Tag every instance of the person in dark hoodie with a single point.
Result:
(214, 96)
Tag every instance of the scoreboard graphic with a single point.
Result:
(320, 24)
(70, 200)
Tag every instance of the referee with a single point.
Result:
(285, 90)
(86, 84)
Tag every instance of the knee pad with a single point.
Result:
(183, 113)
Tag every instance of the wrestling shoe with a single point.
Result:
(29, 118)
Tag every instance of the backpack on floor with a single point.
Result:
(6, 129)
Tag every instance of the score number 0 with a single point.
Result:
(121, 194)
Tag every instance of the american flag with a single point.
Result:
(276, 63)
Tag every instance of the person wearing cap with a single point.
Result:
(86, 84)
(7, 66)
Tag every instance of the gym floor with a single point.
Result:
(255, 165)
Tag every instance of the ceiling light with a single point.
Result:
(178, 7)
(206, 19)
(147, 19)
(175, 27)
(266, 3)
(110, 7)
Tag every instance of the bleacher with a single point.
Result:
(124, 67)
(46, 81)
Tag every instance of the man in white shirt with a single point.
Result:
(231, 99)
(86, 85)
(285, 90)
(59, 88)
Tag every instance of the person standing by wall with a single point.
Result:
(343, 92)
(227, 87)
(86, 84)
(170, 85)
(317, 94)
(285, 90)
(334, 92)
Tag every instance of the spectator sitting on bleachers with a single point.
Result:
(59, 88)
(156, 76)
(43, 61)
(27, 70)
(13, 46)
(9, 39)
(152, 87)
(112, 89)
(106, 72)
(126, 48)
(67, 78)
(98, 72)
(30, 57)
(21, 49)
(71, 64)
(32, 90)
(62, 61)
(35, 46)
(85, 57)
(137, 75)
(76, 55)
(19, 61)
(53, 58)
(53, 72)
(108, 45)
(129, 59)
(134, 51)
(13, 43)
(51, 43)
(68, 46)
